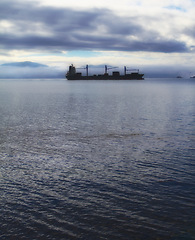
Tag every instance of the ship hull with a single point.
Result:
(107, 77)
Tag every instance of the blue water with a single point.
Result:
(97, 160)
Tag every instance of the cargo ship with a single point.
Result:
(133, 74)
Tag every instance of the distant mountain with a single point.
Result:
(29, 70)
(24, 64)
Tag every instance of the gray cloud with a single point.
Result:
(66, 29)
(190, 31)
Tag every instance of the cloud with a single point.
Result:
(29, 26)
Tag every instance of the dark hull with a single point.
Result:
(133, 76)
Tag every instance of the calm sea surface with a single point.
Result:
(97, 160)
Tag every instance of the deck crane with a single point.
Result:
(129, 70)
(87, 69)
(108, 68)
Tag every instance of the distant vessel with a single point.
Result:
(134, 75)
(192, 76)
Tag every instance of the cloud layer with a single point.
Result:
(27, 26)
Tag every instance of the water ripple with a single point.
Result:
(84, 163)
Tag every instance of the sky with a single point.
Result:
(152, 35)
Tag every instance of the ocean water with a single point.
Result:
(97, 160)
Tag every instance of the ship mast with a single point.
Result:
(87, 68)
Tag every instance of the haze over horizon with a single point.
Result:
(143, 34)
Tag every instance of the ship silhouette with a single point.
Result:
(134, 74)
